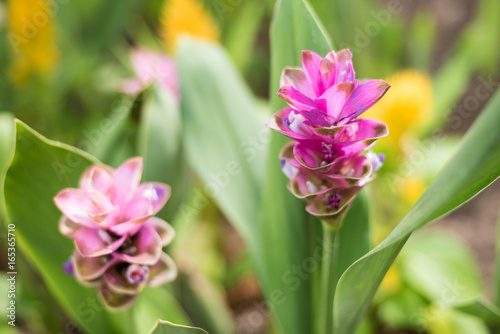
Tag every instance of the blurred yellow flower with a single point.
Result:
(412, 188)
(437, 320)
(392, 281)
(406, 107)
(186, 17)
(31, 35)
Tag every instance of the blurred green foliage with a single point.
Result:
(184, 145)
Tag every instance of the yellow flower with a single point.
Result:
(406, 107)
(392, 281)
(31, 35)
(412, 188)
(186, 18)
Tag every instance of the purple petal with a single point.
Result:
(295, 76)
(163, 271)
(288, 169)
(317, 118)
(68, 267)
(295, 98)
(157, 193)
(76, 205)
(144, 249)
(280, 122)
(90, 268)
(164, 230)
(311, 63)
(332, 101)
(363, 97)
(127, 180)
(96, 242)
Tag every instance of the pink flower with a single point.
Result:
(151, 67)
(118, 240)
(325, 161)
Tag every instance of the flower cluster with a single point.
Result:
(118, 240)
(326, 162)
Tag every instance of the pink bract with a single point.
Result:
(326, 161)
(118, 241)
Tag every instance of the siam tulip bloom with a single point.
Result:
(325, 161)
(187, 18)
(151, 67)
(118, 240)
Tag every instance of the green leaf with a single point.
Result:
(207, 303)
(288, 237)
(39, 170)
(354, 235)
(440, 267)
(165, 327)
(482, 309)
(223, 136)
(474, 166)
(159, 143)
(7, 140)
(113, 129)
(156, 303)
(496, 276)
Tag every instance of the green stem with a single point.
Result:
(131, 320)
(327, 280)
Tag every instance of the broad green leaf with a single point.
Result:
(39, 170)
(156, 303)
(354, 235)
(106, 142)
(453, 77)
(5, 328)
(165, 327)
(450, 82)
(7, 139)
(496, 276)
(399, 310)
(207, 302)
(440, 268)
(474, 166)
(240, 38)
(223, 135)
(466, 324)
(482, 309)
(288, 237)
(159, 143)
(422, 39)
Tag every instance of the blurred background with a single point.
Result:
(63, 64)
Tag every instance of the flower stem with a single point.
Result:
(328, 284)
